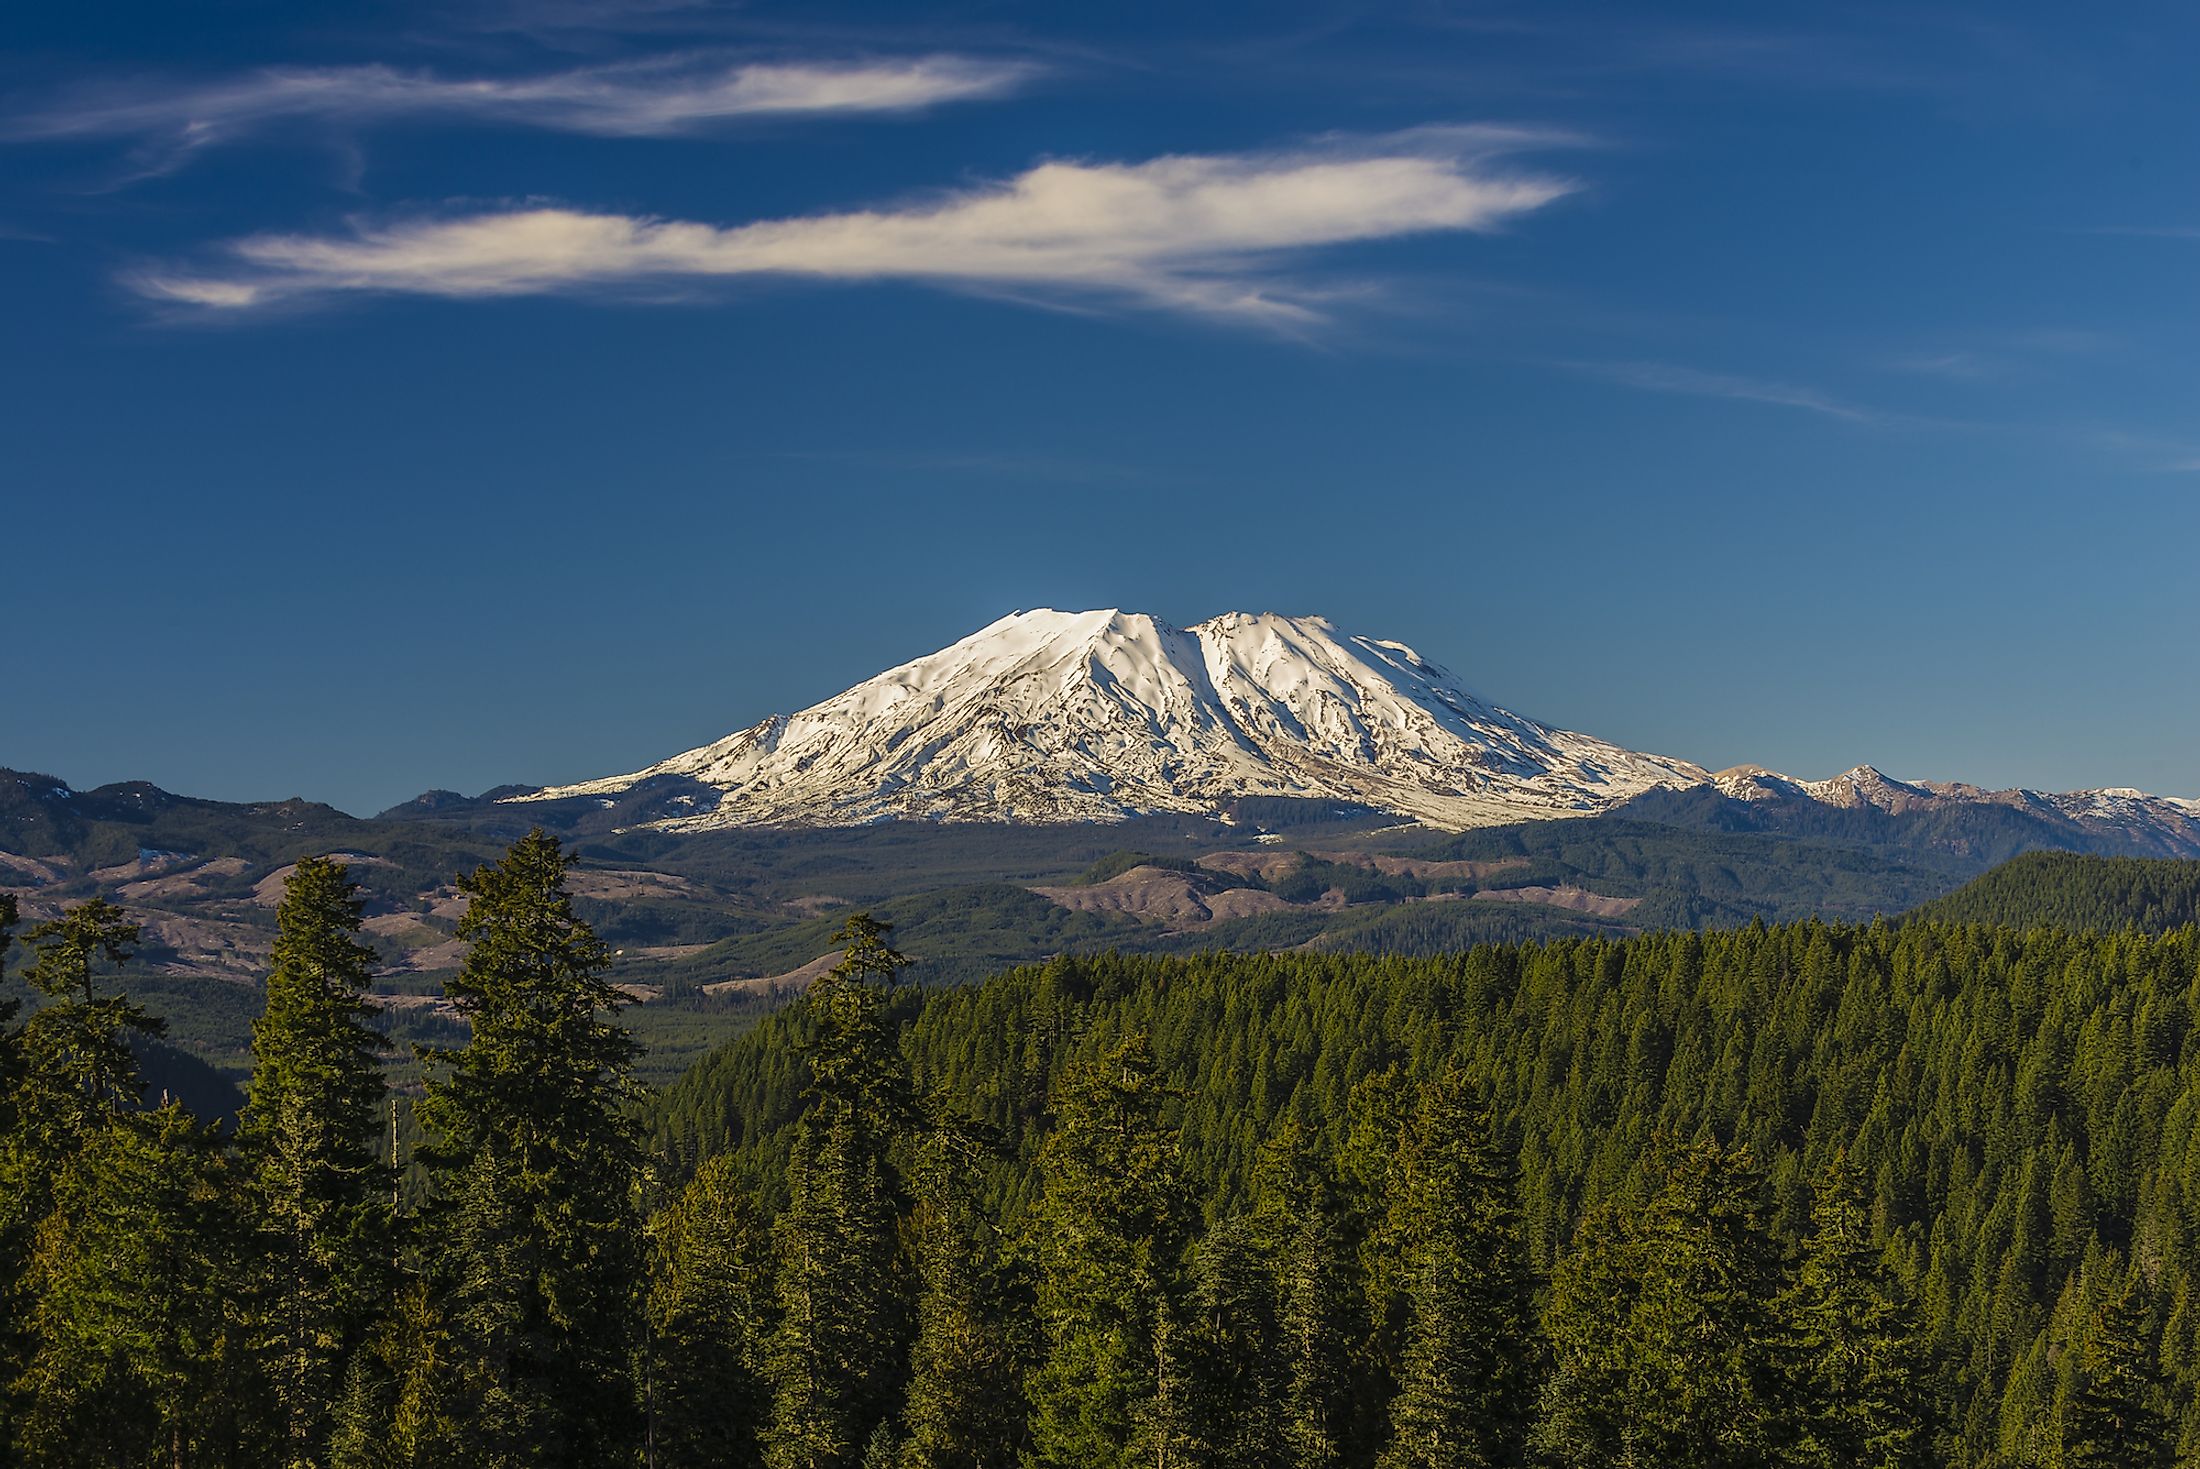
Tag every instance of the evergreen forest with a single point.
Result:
(1809, 1194)
(2066, 890)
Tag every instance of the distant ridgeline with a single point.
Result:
(2066, 890)
(2021, 1111)
(710, 924)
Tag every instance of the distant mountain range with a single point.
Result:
(1058, 782)
(1049, 716)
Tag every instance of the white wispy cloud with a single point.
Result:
(1666, 377)
(2005, 354)
(2153, 453)
(655, 98)
(1208, 234)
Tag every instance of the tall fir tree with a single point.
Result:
(135, 1358)
(2028, 1433)
(76, 1078)
(1371, 1173)
(709, 1286)
(1299, 1225)
(1582, 1414)
(837, 1361)
(1862, 1397)
(1109, 1236)
(1233, 1415)
(320, 1190)
(1709, 1389)
(81, 1072)
(2116, 1417)
(961, 1410)
(1662, 1326)
(1466, 1383)
(536, 1235)
(401, 1405)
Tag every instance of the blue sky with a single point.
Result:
(485, 392)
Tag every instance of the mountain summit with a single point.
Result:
(1049, 716)
(1101, 716)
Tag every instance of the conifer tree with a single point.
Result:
(1662, 1327)
(2027, 1434)
(1299, 1226)
(76, 1048)
(1708, 1387)
(401, 1405)
(1109, 1236)
(1233, 1415)
(2116, 1417)
(320, 1191)
(76, 1077)
(537, 1243)
(1380, 1110)
(708, 1286)
(961, 1410)
(1466, 1382)
(1862, 1397)
(1582, 1419)
(837, 1360)
(133, 1358)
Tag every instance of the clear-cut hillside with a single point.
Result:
(1097, 716)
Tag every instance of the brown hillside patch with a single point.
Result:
(202, 948)
(660, 951)
(792, 982)
(1243, 903)
(1164, 896)
(268, 891)
(439, 958)
(1150, 894)
(186, 884)
(1577, 900)
(145, 865)
(28, 871)
(613, 883)
(1265, 865)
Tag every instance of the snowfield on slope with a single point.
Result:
(1052, 716)
(1049, 716)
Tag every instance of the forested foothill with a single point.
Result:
(1808, 1194)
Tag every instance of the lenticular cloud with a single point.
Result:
(1209, 234)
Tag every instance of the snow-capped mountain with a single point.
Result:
(1052, 716)
(1096, 716)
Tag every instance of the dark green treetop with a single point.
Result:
(310, 1134)
(534, 1149)
(2115, 1417)
(837, 1361)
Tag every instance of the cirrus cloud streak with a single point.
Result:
(1204, 234)
(660, 97)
